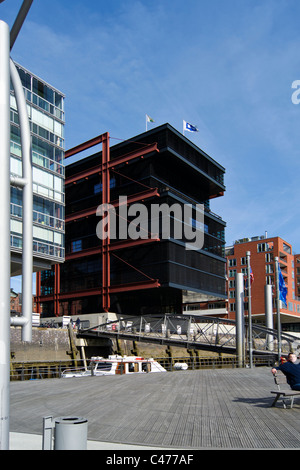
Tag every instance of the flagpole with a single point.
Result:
(249, 310)
(148, 119)
(278, 307)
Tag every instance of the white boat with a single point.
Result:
(116, 365)
(181, 366)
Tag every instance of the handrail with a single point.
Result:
(192, 330)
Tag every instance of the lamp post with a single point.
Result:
(278, 308)
(240, 320)
(249, 310)
(4, 235)
(7, 41)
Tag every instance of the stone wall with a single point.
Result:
(48, 344)
(53, 344)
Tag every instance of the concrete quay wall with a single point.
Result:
(48, 344)
(56, 344)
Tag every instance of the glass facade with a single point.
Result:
(45, 107)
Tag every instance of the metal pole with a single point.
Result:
(249, 310)
(48, 428)
(278, 306)
(6, 42)
(27, 217)
(239, 305)
(269, 315)
(4, 235)
(19, 21)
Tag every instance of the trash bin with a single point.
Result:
(70, 433)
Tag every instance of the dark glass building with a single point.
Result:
(143, 266)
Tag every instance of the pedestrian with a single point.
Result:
(291, 370)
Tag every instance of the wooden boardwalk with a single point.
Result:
(211, 409)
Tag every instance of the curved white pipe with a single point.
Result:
(27, 219)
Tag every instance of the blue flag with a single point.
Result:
(282, 287)
(189, 127)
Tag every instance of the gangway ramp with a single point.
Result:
(192, 331)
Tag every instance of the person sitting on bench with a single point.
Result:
(291, 370)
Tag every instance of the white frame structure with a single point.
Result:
(7, 71)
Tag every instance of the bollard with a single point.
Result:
(70, 433)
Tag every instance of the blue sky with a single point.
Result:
(225, 66)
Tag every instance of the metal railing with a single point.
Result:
(36, 370)
(41, 370)
(41, 218)
(46, 249)
(192, 331)
(39, 159)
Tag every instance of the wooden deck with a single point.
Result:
(211, 409)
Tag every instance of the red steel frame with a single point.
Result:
(106, 247)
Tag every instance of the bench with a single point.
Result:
(282, 391)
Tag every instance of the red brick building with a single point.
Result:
(263, 252)
(16, 303)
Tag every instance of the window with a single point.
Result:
(199, 226)
(40, 233)
(42, 119)
(76, 245)
(58, 101)
(232, 262)
(16, 166)
(42, 90)
(261, 247)
(269, 268)
(98, 186)
(243, 260)
(104, 366)
(25, 78)
(146, 367)
(269, 257)
(232, 272)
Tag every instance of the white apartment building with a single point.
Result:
(45, 107)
